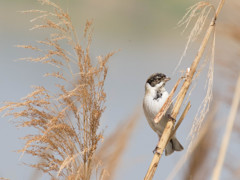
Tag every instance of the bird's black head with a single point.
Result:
(157, 78)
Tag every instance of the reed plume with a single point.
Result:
(66, 122)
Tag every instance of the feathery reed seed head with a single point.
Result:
(66, 123)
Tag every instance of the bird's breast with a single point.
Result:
(152, 106)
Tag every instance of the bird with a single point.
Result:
(154, 98)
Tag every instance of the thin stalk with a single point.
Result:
(188, 80)
(228, 131)
(181, 118)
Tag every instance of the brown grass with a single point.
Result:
(67, 122)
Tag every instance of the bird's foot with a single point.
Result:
(156, 150)
(171, 118)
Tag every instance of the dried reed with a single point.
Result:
(229, 69)
(204, 145)
(66, 123)
(205, 136)
(188, 80)
(200, 11)
(228, 131)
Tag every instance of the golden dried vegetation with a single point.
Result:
(66, 122)
(201, 11)
(67, 135)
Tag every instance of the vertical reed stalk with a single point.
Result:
(188, 80)
(228, 131)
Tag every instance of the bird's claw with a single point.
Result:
(170, 117)
(156, 150)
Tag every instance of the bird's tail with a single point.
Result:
(173, 145)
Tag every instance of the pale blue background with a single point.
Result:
(149, 42)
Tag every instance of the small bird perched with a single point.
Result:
(154, 98)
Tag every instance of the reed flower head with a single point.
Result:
(66, 122)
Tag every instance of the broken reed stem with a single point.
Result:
(161, 146)
(181, 119)
(168, 102)
(168, 133)
(228, 131)
(169, 126)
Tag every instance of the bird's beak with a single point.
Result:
(167, 79)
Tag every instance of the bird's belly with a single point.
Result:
(151, 108)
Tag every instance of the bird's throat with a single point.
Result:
(158, 95)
